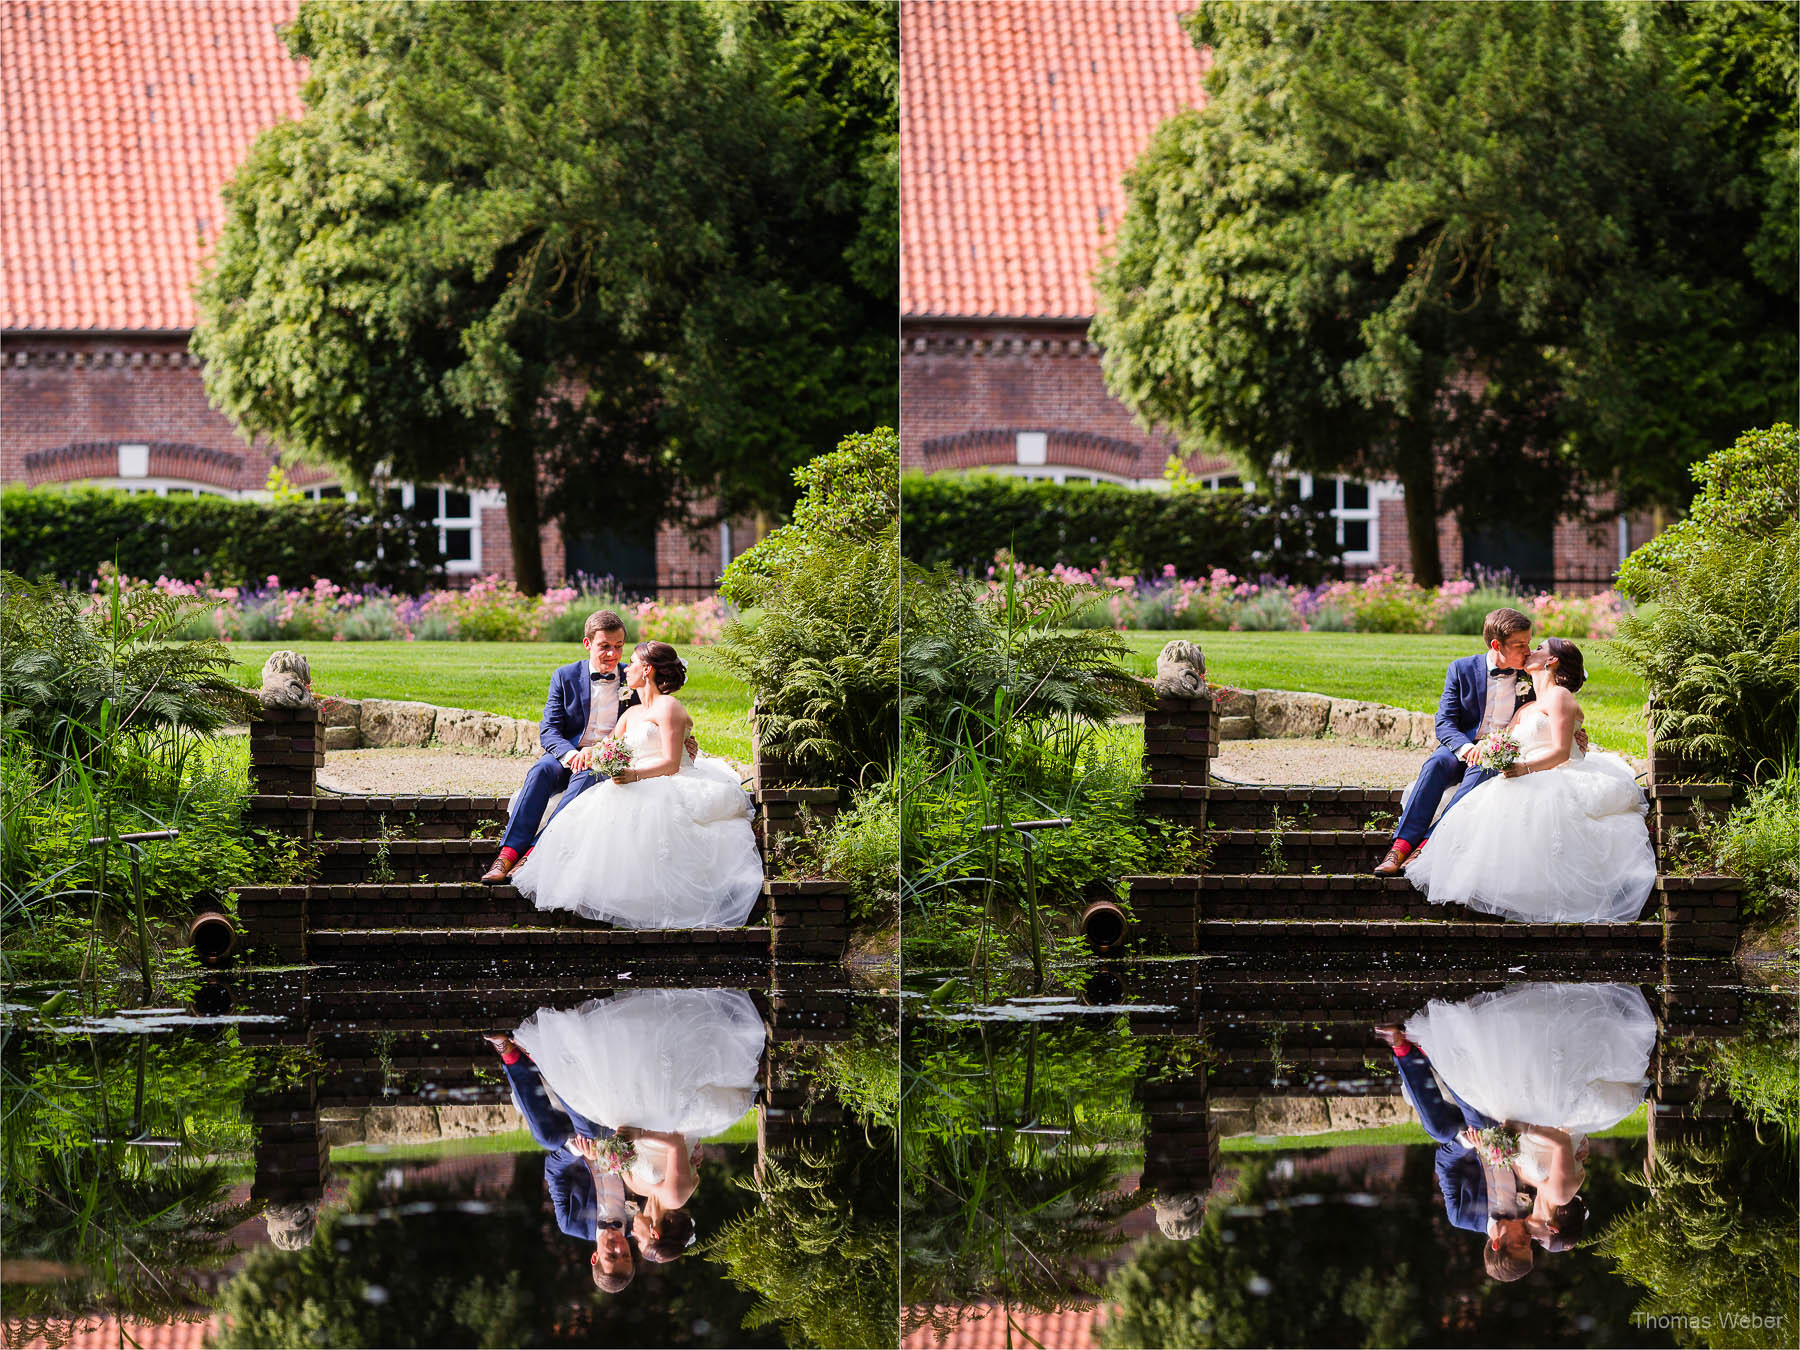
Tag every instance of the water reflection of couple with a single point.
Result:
(620, 1091)
(1549, 1063)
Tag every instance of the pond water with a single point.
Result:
(1155, 1153)
(335, 1157)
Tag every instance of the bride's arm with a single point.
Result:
(671, 730)
(1559, 709)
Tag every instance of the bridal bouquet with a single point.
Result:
(1497, 1145)
(614, 1155)
(1499, 750)
(610, 756)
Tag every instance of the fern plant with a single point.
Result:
(1722, 653)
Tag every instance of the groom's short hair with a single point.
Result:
(1502, 624)
(601, 621)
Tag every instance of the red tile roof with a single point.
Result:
(984, 1328)
(123, 118)
(1018, 120)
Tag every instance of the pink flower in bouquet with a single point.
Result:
(610, 756)
(1499, 751)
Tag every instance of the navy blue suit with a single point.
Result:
(1460, 711)
(565, 718)
(566, 1174)
(1458, 1169)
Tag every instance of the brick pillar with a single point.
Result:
(1164, 912)
(1700, 915)
(1181, 739)
(793, 1111)
(807, 919)
(287, 750)
(766, 770)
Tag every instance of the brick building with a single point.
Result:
(1018, 123)
(124, 119)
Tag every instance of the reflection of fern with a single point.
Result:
(819, 1251)
(1717, 1236)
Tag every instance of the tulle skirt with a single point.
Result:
(669, 852)
(1567, 845)
(1572, 1056)
(660, 1059)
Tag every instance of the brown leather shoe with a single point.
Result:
(499, 872)
(1393, 1034)
(1391, 863)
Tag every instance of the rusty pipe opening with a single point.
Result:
(1104, 926)
(213, 937)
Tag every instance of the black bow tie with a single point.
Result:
(615, 1224)
(598, 675)
(1497, 672)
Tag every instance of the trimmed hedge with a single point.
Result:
(66, 534)
(964, 520)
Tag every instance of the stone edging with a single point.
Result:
(1250, 714)
(379, 723)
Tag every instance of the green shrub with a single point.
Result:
(67, 534)
(848, 495)
(862, 847)
(1747, 491)
(1471, 611)
(961, 520)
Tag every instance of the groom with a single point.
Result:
(585, 702)
(1481, 694)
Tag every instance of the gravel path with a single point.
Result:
(400, 773)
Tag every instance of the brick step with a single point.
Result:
(1256, 808)
(346, 861)
(549, 944)
(418, 906)
(1162, 902)
(354, 816)
(1283, 852)
(1583, 945)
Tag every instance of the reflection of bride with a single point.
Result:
(1571, 1056)
(665, 843)
(663, 1067)
(1556, 1063)
(1560, 837)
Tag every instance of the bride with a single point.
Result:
(1560, 836)
(665, 843)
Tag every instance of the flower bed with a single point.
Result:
(491, 610)
(1387, 601)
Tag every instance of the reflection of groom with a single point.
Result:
(585, 701)
(1481, 694)
(591, 1206)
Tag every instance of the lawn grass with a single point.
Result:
(509, 678)
(1401, 669)
(740, 1131)
(1633, 1126)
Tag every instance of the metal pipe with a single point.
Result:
(1105, 926)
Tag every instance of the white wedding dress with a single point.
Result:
(1574, 1057)
(669, 852)
(1566, 845)
(678, 1060)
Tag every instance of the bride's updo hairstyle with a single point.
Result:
(674, 1235)
(665, 666)
(1570, 673)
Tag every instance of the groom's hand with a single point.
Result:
(582, 760)
(692, 745)
(1581, 739)
(1468, 752)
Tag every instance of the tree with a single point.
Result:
(1491, 250)
(596, 254)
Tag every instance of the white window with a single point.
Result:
(1353, 505)
(1052, 474)
(156, 487)
(457, 515)
(328, 492)
(1032, 447)
(134, 461)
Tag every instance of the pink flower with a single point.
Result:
(339, 637)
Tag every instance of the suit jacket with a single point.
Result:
(1464, 1185)
(571, 1187)
(1464, 701)
(570, 700)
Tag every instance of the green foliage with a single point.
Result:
(592, 253)
(67, 535)
(1378, 249)
(821, 657)
(72, 675)
(862, 847)
(1745, 492)
(1721, 651)
(1760, 1069)
(851, 495)
(819, 1250)
(960, 520)
(1718, 1236)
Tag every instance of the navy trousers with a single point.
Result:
(1441, 1119)
(545, 779)
(549, 1126)
(1440, 771)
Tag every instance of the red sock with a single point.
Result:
(1403, 848)
(512, 1056)
(510, 855)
